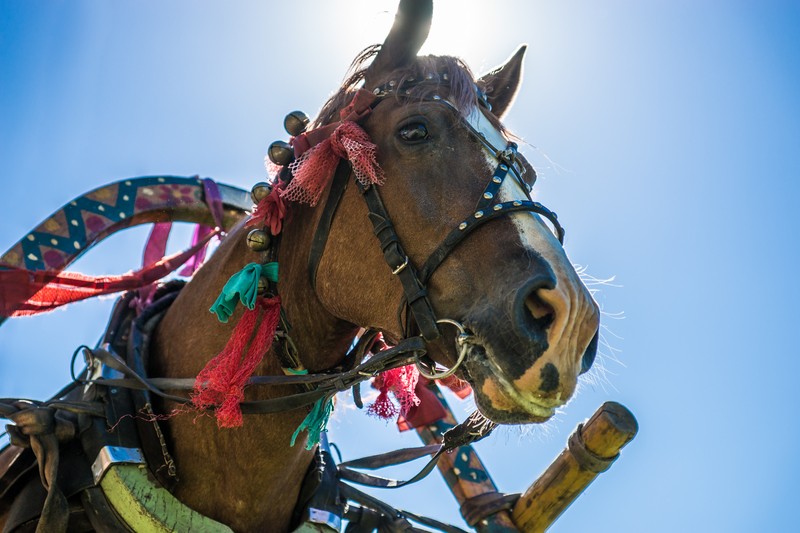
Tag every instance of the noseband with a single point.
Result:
(413, 279)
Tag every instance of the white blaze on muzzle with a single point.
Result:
(569, 298)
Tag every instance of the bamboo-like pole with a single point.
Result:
(590, 451)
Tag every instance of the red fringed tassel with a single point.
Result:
(401, 383)
(270, 211)
(221, 383)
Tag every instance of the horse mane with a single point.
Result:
(459, 87)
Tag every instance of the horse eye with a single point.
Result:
(414, 133)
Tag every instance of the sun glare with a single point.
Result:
(463, 33)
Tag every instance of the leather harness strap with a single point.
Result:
(326, 220)
(326, 384)
(416, 294)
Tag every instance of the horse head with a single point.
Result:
(463, 257)
(457, 196)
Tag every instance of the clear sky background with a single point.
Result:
(666, 135)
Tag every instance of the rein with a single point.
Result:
(324, 384)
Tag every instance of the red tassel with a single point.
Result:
(401, 383)
(221, 383)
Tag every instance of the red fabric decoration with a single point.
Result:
(214, 202)
(458, 386)
(401, 382)
(358, 108)
(25, 292)
(270, 211)
(221, 383)
(419, 405)
(314, 168)
(428, 411)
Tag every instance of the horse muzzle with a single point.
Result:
(524, 362)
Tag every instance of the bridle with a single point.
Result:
(412, 278)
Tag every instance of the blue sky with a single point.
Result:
(666, 136)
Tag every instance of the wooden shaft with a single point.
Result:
(464, 472)
(591, 450)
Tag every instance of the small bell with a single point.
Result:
(281, 153)
(260, 191)
(258, 240)
(263, 284)
(296, 123)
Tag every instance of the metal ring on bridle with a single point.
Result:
(462, 340)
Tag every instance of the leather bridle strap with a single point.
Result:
(485, 211)
(415, 292)
(326, 220)
(416, 295)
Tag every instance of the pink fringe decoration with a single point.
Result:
(270, 212)
(221, 383)
(401, 382)
(314, 168)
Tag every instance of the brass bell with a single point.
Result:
(258, 240)
(296, 123)
(260, 191)
(263, 284)
(281, 153)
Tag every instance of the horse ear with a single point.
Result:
(410, 29)
(501, 84)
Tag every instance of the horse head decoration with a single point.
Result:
(411, 150)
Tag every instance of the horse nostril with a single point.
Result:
(539, 309)
(533, 314)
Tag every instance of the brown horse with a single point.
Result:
(508, 281)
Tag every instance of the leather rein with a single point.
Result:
(412, 278)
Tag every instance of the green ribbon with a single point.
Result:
(243, 287)
(315, 422)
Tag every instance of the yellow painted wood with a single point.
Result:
(604, 435)
(149, 508)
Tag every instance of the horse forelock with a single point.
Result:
(450, 78)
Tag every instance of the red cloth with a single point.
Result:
(270, 211)
(360, 106)
(314, 169)
(401, 382)
(25, 292)
(458, 386)
(428, 411)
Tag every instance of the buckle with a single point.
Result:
(402, 267)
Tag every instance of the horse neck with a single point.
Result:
(321, 338)
(189, 336)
